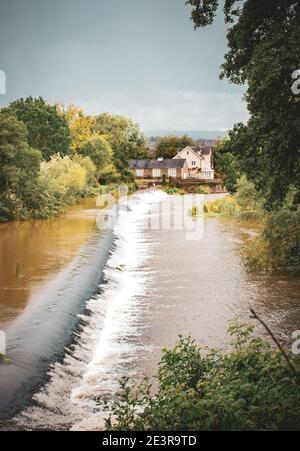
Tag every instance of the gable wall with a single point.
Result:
(188, 155)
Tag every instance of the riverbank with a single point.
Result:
(158, 284)
(60, 264)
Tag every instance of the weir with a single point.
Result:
(39, 336)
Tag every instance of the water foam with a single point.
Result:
(107, 344)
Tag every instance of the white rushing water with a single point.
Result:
(106, 344)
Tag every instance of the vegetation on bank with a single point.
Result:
(277, 245)
(51, 157)
(251, 388)
(174, 191)
(263, 45)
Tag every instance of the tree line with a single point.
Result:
(51, 155)
(263, 53)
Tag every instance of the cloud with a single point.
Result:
(173, 110)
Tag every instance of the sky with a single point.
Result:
(140, 58)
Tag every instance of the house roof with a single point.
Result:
(202, 150)
(156, 164)
(192, 149)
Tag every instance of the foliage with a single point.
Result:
(125, 139)
(66, 178)
(47, 130)
(200, 190)
(246, 205)
(226, 163)
(195, 212)
(263, 41)
(225, 206)
(249, 200)
(19, 169)
(115, 188)
(99, 151)
(277, 247)
(38, 183)
(169, 146)
(109, 175)
(250, 388)
(82, 128)
(172, 190)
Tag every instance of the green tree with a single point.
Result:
(47, 129)
(99, 151)
(264, 41)
(226, 163)
(125, 138)
(169, 146)
(19, 170)
(81, 126)
(250, 388)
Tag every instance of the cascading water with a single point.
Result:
(158, 282)
(106, 345)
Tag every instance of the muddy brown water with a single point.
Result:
(158, 284)
(33, 252)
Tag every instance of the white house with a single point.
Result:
(199, 161)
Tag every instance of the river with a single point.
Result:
(83, 304)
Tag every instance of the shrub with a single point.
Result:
(250, 388)
(65, 178)
(226, 207)
(278, 245)
(249, 201)
(172, 191)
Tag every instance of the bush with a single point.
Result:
(172, 191)
(249, 201)
(109, 175)
(246, 205)
(64, 178)
(278, 245)
(249, 389)
(226, 207)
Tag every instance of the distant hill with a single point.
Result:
(194, 134)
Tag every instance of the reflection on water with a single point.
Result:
(34, 251)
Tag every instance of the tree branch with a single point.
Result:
(290, 364)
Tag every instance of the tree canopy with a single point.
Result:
(82, 127)
(169, 146)
(99, 151)
(19, 169)
(124, 136)
(47, 130)
(264, 41)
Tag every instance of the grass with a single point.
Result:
(195, 212)
(172, 191)
(4, 358)
(226, 207)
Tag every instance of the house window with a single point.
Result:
(156, 172)
(193, 163)
(172, 173)
(140, 172)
